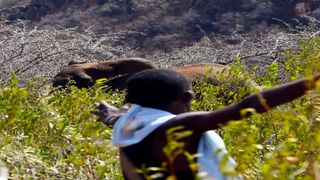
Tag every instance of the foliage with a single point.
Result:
(53, 135)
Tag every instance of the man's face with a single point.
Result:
(182, 104)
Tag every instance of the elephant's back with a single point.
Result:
(130, 63)
(200, 71)
(126, 66)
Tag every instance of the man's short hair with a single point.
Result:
(156, 88)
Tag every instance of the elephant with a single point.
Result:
(117, 72)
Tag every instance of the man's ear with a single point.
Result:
(187, 96)
(129, 99)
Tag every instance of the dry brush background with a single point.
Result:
(43, 52)
(38, 37)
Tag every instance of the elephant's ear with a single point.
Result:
(83, 81)
(118, 82)
(76, 62)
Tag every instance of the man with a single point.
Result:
(159, 131)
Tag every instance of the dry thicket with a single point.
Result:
(258, 49)
(32, 53)
(161, 24)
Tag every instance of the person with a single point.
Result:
(159, 131)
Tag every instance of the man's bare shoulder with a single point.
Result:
(189, 121)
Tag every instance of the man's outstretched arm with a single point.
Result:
(261, 102)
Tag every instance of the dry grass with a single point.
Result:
(42, 52)
(30, 53)
(256, 50)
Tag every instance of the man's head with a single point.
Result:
(162, 89)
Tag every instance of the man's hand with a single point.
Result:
(108, 114)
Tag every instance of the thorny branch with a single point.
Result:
(30, 53)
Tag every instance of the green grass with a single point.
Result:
(54, 135)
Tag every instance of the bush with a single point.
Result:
(55, 135)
